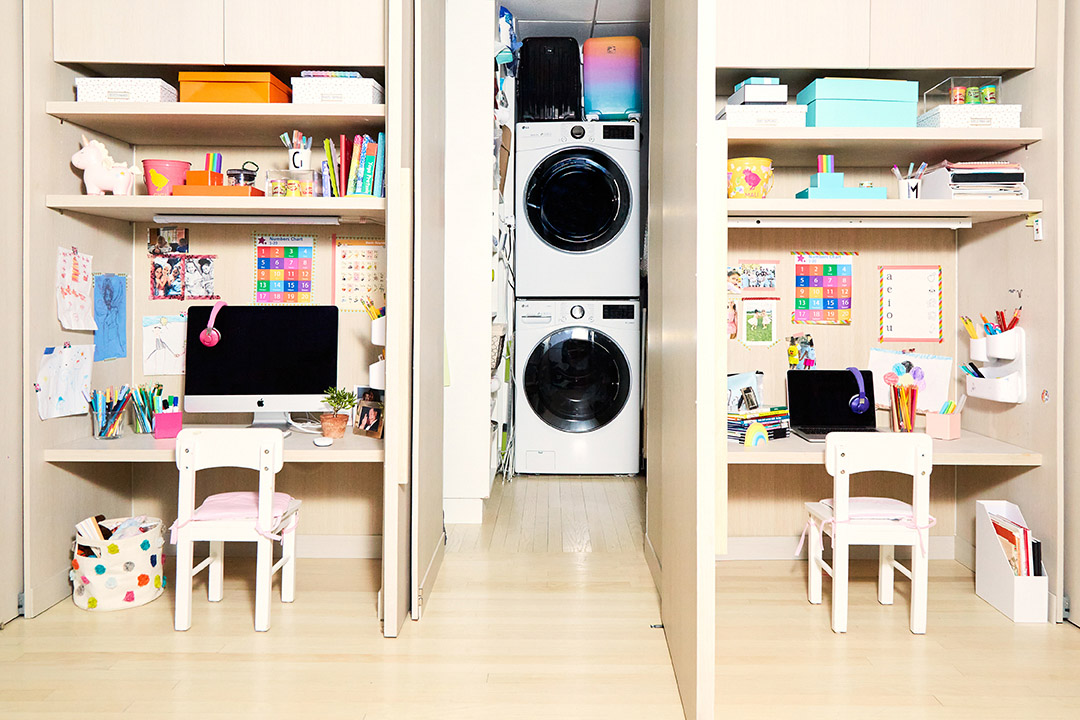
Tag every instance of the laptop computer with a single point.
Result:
(820, 402)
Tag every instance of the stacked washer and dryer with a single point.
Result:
(578, 369)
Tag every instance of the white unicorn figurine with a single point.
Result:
(101, 173)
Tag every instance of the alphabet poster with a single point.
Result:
(823, 288)
(74, 294)
(110, 314)
(63, 380)
(359, 272)
(911, 304)
(284, 269)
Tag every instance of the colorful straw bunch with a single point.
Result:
(826, 163)
(147, 402)
(904, 381)
(108, 408)
(213, 162)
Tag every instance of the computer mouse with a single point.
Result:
(323, 441)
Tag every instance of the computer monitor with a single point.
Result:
(271, 360)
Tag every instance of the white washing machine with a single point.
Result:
(578, 209)
(577, 402)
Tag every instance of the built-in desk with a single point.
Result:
(134, 447)
(970, 449)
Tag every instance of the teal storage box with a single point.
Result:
(860, 102)
(830, 186)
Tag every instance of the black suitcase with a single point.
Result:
(549, 79)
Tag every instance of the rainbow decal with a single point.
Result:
(756, 435)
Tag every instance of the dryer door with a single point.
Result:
(577, 379)
(577, 200)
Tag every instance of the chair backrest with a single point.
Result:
(260, 449)
(850, 453)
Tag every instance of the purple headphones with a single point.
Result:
(859, 404)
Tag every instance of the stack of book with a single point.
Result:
(357, 166)
(974, 181)
(762, 102)
(775, 419)
(1023, 551)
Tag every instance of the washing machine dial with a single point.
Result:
(577, 132)
(577, 312)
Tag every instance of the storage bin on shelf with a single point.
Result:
(126, 572)
(1005, 367)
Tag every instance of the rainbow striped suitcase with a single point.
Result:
(612, 78)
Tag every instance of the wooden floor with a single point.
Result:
(777, 657)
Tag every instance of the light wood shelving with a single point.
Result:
(977, 211)
(220, 124)
(143, 208)
(144, 448)
(876, 147)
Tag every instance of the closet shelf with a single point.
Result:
(876, 147)
(792, 212)
(143, 208)
(220, 124)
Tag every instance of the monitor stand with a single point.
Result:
(277, 420)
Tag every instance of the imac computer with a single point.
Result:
(270, 360)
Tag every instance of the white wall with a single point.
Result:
(469, 97)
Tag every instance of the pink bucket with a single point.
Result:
(161, 175)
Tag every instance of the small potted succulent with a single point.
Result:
(333, 423)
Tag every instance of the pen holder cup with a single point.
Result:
(943, 427)
(978, 349)
(110, 431)
(377, 375)
(1003, 345)
(909, 188)
(1007, 389)
(378, 331)
(168, 425)
(902, 412)
(299, 159)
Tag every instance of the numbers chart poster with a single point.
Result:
(284, 269)
(911, 305)
(359, 273)
(823, 288)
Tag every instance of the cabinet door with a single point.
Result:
(793, 34)
(136, 31)
(327, 33)
(954, 34)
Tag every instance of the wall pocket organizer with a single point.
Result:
(1004, 365)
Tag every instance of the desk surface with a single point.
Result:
(970, 449)
(144, 448)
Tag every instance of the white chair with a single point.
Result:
(263, 517)
(873, 521)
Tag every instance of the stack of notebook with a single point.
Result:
(775, 419)
(974, 181)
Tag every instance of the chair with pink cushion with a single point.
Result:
(262, 517)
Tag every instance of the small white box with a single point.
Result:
(318, 90)
(766, 94)
(972, 116)
(101, 89)
(764, 115)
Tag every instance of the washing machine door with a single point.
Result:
(577, 200)
(577, 379)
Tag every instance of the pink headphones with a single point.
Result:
(211, 336)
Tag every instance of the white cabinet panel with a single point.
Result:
(793, 34)
(268, 32)
(953, 34)
(136, 31)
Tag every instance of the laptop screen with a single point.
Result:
(821, 398)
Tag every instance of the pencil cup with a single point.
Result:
(1003, 345)
(943, 427)
(902, 409)
(377, 375)
(378, 331)
(111, 430)
(910, 188)
(299, 159)
(978, 349)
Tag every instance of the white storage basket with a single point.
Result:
(126, 573)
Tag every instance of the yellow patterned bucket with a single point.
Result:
(749, 177)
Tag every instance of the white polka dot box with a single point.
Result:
(125, 571)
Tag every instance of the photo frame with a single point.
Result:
(369, 418)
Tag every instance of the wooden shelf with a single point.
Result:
(876, 147)
(144, 448)
(143, 208)
(220, 124)
(970, 449)
(976, 210)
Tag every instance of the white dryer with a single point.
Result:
(577, 402)
(578, 209)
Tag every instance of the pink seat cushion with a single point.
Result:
(239, 506)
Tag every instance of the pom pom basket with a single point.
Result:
(126, 573)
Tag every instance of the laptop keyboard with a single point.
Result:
(827, 430)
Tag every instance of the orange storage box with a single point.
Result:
(205, 177)
(253, 87)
